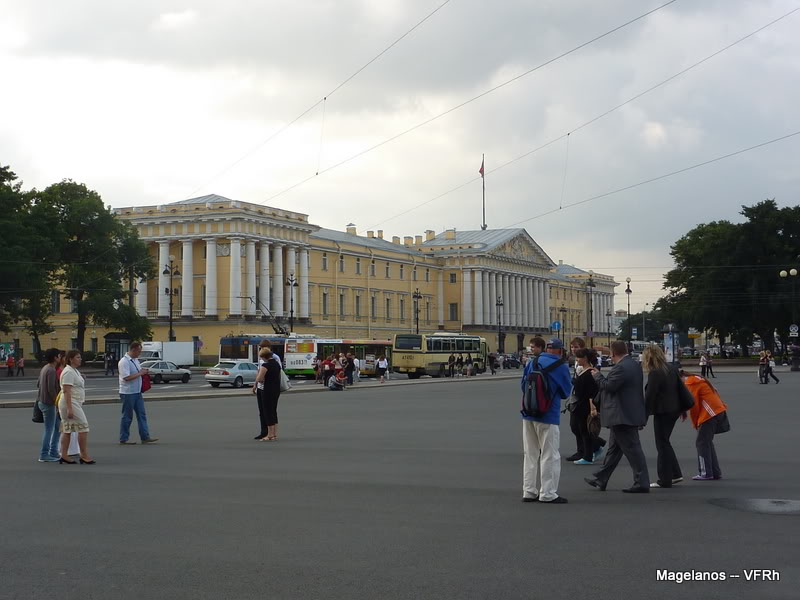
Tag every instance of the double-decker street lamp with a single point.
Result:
(172, 270)
(792, 273)
(499, 305)
(628, 292)
(291, 282)
(417, 296)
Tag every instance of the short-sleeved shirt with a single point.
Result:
(129, 366)
(70, 376)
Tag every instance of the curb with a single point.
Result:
(310, 389)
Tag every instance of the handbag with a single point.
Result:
(593, 424)
(286, 385)
(723, 425)
(38, 415)
(146, 384)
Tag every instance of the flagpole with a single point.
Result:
(483, 182)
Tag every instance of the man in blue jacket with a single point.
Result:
(541, 435)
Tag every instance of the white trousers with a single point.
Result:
(542, 464)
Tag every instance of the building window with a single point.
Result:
(402, 272)
(428, 311)
(55, 302)
(324, 304)
(402, 309)
(372, 269)
(341, 304)
(414, 274)
(373, 307)
(73, 342)
(358, 306)
(358, 266)
(205, 251)
(94, 345)
(427, 274)
(454, 311)
(203, 297)
(452, 277)
(324, 261)
(341, 263)
(388, 309)
(73, 306)
(557, 298)
(388, 273)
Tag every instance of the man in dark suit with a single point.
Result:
(622, 410)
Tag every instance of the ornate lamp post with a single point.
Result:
(417, 296)
(172, 270)
(628, 292)
(590, 327)
(608, 326)
(292, 283)
(563, 311)
(500, 344)
(793, 334)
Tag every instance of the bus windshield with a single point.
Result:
(408, 342)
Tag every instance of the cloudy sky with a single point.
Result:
(154, 101)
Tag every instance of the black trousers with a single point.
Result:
(588, 444)
(262, 411)
(668, 466)
(271, 406)
(707, 463)
(710, 370)
(624, 441)
(768, 373)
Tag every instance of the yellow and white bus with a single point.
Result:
(427, 354)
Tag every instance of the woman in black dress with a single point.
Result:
(268, 384)
(584, 390)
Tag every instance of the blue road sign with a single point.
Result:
(555, 325)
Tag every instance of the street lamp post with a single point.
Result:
(793, 274)
(292, 283)
(563, 311)
(628, 292)
(608, 325)
(417, 296)
(644, 311)
(499, 305)
(172, 270)
(590, 327)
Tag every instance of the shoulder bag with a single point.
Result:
(286, 385)
(38, 416)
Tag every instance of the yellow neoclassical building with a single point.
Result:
(239, 267)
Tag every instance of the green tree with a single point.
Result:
(654, 324)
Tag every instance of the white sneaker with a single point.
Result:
(677, 480)
(655, 484)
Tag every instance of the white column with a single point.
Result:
(235, 302)
(546, 286)
(263, 278)
(492, 277)
(250, 278)
(504, 312)
(141, 297)
(187, 293)
(440, 298)
(466, 297)
(531, 303)
(488, 303)
(525, 303)
(537, 285)
(304, 284)
(513, 313)
(520, 322)
(277, 280)
(478, 319)
(211, 277)
(291, 265)
(163, 280)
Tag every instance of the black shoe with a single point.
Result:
(127, 443)
(259, 436)
(574, 457)
(536, 499)
(61, 461)
(88, 462)
(556, 500)
(636, 490)
(596, 483)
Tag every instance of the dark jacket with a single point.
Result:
(272, 381)
(621, 395)
(584, 388)
(661, 392)
(48, 385)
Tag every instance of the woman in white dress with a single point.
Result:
(70, 407)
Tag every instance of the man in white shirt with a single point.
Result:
(130, 392)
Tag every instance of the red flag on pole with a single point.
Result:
(481, 169)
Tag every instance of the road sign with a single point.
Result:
(634, 333)
(555, 325)
(793, 330)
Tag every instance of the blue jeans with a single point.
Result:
(50, 437)
(133, 403)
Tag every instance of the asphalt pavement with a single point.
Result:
(408, 491)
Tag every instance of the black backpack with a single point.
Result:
(537, 399)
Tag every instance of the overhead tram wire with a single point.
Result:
(658, 178)
(594, 119)
(469, 101)
(318, 102)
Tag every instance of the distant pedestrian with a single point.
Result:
(21, 366)
(709, 416)
(703, 364)
(349, 368)
(108, 360)
(356, 368)
(10, 366)
(130, 392)
(584, 390)
(662, 400)
(770, 364)
(49, 386)
(382, 366)
(451, 365)
(70, 408)
(622, 410)
(493, 363)
(468, 365)
(460, 365)
(327, 369)
(541, 435)
(316, 364)
(268, 383)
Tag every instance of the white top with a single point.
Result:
(356, 364)
(129, 366)
(383, 363)
(71, 376)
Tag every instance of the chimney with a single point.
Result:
(418, 240)
(351, 229)
(395, 239)
(429, 235)
(560, 262)
(370, 234)
(408, 240)
(380, 234)
(450, 234)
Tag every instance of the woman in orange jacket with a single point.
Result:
(709, 416)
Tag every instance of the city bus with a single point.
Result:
(427, 354)
(298, 351)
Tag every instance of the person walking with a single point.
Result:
(268, 381)
(316, 364)
(662, 401)
(540, 435)
(468, 364)
(762, 368)
(709, 416)
(768, 372)
(21, 366)
(349, 368)
(710, 365)
(703, 364)
(327, 369)
(70, 408)
(451, 365)
(108, 364)
(383, 365)
(49, 386)
(584, 390)
(10, 366)
(460, 365)
(130, 392)
(622, 410)
(356, 368)
(74, 447)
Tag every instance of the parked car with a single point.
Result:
(511, 362)
(163, 371)
(233, 372)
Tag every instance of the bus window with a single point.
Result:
(408, 342)
(460, 345)
(234, 351)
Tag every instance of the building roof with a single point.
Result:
(204, 199)
(563, 269)
(484, 241)
(374, 242)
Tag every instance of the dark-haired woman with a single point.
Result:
(584, 390)
(48, 390)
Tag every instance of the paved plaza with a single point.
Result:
(410, 491)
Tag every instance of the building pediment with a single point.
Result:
(522, 247)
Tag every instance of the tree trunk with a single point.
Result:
(81, 323)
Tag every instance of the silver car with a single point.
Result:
(233, 372)
(164, 372)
